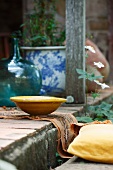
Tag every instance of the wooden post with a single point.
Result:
(75, 52)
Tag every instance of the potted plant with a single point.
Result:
(43, 45)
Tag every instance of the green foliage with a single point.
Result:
(102, 111)
(16, 34)
(84, 119)
(89, 36)
(40, 27)
(99, 112)
(86, 55)
(86, 75)
(95, 95)
(59, 159)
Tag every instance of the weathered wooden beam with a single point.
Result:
(75, 53)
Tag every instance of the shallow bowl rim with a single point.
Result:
(37, 99)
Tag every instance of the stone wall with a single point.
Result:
(97, 27)
(97, 23)
(96, 18)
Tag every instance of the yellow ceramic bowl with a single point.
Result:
(38, 105)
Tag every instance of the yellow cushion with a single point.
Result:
(94, 143)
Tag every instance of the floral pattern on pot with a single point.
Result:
(51, 63)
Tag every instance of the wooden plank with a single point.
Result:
(75, 53)
(110, 56)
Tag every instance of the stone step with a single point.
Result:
(80, 164)
(6, 165)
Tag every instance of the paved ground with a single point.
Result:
(79, 164)
(16, 133)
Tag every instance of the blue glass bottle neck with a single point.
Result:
(15, 51)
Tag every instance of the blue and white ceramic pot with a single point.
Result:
(51, 62)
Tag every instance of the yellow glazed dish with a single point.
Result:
(37, 105)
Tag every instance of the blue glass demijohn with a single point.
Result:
(18, 77)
